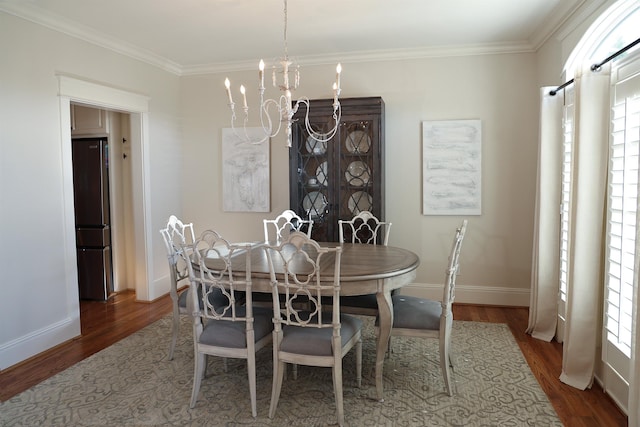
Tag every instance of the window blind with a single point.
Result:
(567, 123)
(622, 207)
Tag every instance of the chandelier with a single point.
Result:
(284, 106)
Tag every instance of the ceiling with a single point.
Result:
(195, 36)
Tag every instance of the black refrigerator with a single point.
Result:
(93, 233)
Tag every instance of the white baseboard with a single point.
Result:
(485, 295)
(22, 348)
(159, 287)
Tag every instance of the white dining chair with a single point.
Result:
(364, 228)
(367, 229)
(319, 336)
(274, 231)
(282, 225)
(424, 318)
(176, 235)
(226, 329)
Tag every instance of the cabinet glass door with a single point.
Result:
(312, 183)
(344, 176)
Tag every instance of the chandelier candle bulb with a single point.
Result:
(338, 71)
(244, 97)
(227, 84)
(261, 73)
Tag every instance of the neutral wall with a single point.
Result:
(39, 305)
(500, 90)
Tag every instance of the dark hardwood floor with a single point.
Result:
(105, 323)
(102, 324)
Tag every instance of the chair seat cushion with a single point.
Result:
(225, 333)
(317, 341)
(416, 313)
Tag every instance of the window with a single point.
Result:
(621, 215)
(614, 30)
(567, 131)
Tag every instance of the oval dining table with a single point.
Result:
(364, 269)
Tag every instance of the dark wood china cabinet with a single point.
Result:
(338, 179)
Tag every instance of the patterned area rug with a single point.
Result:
(132, 383)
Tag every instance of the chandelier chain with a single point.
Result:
(286, 46)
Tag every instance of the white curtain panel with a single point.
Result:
(587, 225)
(543, 306)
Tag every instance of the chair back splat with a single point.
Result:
(277, 229)
(280, 227)
(319, 335)
(221, 326)
(363, 228)
(176, 235)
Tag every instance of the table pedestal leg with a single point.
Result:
(385, 322)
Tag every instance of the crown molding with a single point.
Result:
(561, 15)
(31, 13)
(586, 9)
(374, 56)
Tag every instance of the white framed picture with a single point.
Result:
(452, 167)
(245, 172)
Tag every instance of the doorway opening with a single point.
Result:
(135, 108)
(101, 156)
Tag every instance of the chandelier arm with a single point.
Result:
(247, 137)
(265, 114)
(232, 106)
(245, 121)
(318, 136)
(244, 136)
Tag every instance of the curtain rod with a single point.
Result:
(596, 67)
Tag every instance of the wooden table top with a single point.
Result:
(358, 261)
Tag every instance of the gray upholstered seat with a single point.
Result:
(318, 342)
(416, 313)
(424, 318)
(321, 339)
(221, 326)
(221, 333)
